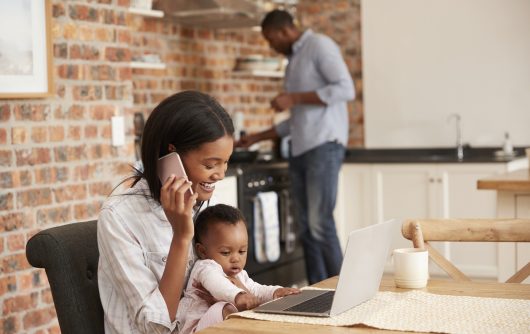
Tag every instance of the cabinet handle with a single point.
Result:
(431, 179)
(439, 180)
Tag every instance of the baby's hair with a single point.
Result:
(220, 213)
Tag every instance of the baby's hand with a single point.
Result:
(246, 301)
(281, 292)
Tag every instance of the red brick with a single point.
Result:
(31, 279)
(60, 50)
(117, 54)
(70, 193)
(83, 13)
(39, 134)
(99, 151)
(9, 325)
(86, 211)
(14, 262)
(70, 31)
(16, 242)
(56, 215)
(3, 137)
(106, 131)
(102, 34)
(125, 74)
(8, 284)
(34, 197)
(102, 112)
(5, 112)
(50, 175)
(70, 153)
(46, 296)
(39, 317)
(30, 112)
(6, 201)
(100, 72)
(75, 112)
(87, 93)
(58, 10)
(100, 189)
(91, 131)
(85, 52)
(70, 71)
(20, 303)
(124, 36)
(19, 135)
(124, 3)
(74, 132)
(56, 133)
(11, 222)
(33, 156)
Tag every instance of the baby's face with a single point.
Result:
(227, 245)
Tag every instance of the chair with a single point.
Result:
(422, 231)
(69, 254)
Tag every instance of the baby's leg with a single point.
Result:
(215, 314)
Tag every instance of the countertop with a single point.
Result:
(406, 155)
(430, 155)
(514, 181)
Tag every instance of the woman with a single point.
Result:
(145, 234)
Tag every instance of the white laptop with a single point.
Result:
(362, 268)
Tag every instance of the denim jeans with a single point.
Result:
(314, 181)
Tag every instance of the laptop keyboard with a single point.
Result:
(319, 304)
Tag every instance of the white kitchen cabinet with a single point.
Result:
(370, 193)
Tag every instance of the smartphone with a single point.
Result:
(171, 164)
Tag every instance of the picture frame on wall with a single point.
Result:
(25, 49)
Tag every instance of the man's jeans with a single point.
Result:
(314, 179)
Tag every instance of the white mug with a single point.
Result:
(411, 267)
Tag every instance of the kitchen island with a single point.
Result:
(513, 201)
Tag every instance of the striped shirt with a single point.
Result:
(134, 237)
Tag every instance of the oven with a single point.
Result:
(289, 268)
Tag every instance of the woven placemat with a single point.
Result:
(420, 311)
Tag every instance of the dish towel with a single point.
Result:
(266, 227)
(288, 233)
(420, 311)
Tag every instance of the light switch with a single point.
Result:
(118, 131)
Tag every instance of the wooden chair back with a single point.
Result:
(422, 231)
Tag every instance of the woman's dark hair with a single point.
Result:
(185, 120)
(277, 19)
(220, 213)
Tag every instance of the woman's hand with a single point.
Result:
(282, 292)
(204, 294)
(178, 206)
(246, 301)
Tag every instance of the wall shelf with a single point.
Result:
(147, 66)
(146, 12)
(260, 73)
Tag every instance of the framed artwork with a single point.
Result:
(25, 49)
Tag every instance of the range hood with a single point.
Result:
(213, 14)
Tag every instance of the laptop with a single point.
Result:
(362, 268)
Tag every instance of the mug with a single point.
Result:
(411, 267)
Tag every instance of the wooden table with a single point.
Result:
(445, 287)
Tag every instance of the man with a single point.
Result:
(317, 88)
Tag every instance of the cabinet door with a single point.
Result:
(522, 210)
(403, 191)
(353, 209)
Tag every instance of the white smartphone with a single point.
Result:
(171, 164)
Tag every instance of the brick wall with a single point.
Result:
(57, 164)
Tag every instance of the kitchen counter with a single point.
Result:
(429, 155)
(514, 181)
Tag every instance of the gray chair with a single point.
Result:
(69, 254)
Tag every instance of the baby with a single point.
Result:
(221, 242)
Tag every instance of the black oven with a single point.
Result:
(289, 269)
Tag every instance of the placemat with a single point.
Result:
(425, 312)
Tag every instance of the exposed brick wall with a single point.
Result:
(57, 164)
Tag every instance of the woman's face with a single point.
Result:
(207, 165)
